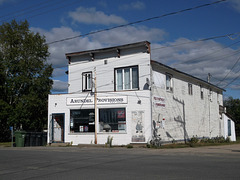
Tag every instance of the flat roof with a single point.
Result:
(137, 44)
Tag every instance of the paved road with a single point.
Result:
(221, 162)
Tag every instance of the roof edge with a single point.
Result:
(173, 69)
(108, 48)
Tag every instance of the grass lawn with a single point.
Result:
(5, 144)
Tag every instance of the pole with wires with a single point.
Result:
(95, 105)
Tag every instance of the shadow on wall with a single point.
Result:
(182, 120)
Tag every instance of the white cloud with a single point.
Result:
(235, 86)
(129, 34)
(199, 59)
(235, 4)
(58, 50)
(59, 86)
(92, 16)
(132, 6)
(58, 72)
(109, 38)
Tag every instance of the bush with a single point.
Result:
(129, 146)
(193, 140)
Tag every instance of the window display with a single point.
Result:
(112, 120)
(82, 121)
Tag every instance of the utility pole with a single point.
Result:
(209, 77)
(95, 105)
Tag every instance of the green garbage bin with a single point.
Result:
(20, 138)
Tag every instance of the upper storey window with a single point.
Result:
(190, 89)
(87, 81)
(169, 83)
(126, 78)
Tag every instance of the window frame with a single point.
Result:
(123, 78)
(170, 87)
(85, 81)
(121, 121)
(229, 127)
(190, 89)
(88, 129)
(201, 92)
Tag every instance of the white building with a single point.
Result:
(229, 127)
(136, 100)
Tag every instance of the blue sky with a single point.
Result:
(174, 38)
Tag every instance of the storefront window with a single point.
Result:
(82, 120)
(112, 120)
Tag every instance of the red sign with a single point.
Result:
(121, 114)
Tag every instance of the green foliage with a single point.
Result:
(233, 109)
(215, 140)
(194, 140)
(24, 77)
(129, 146)
(109, 141)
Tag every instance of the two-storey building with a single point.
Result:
(120, 93)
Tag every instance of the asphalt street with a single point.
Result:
(219, 162)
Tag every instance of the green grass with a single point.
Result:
(199, 144)
(5, 144)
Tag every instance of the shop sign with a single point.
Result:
(159, 101)
(100, 100)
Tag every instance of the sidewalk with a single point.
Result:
(208, 150)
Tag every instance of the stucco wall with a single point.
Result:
(178, 115)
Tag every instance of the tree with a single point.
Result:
(24, 78)
(233, 109)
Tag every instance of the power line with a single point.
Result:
(137, 22)
(51, 10)
(229, 71)
(214, 58)
(32, 9)
(205, 39)
(232, 81)
(24, 9)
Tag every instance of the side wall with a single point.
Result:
(178, 115)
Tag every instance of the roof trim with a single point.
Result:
(108, 49)
(173, 69)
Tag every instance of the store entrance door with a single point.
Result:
(58, 128)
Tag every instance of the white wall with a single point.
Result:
(233, 133)
(197, 117)
(105, 72)
(57, 104)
